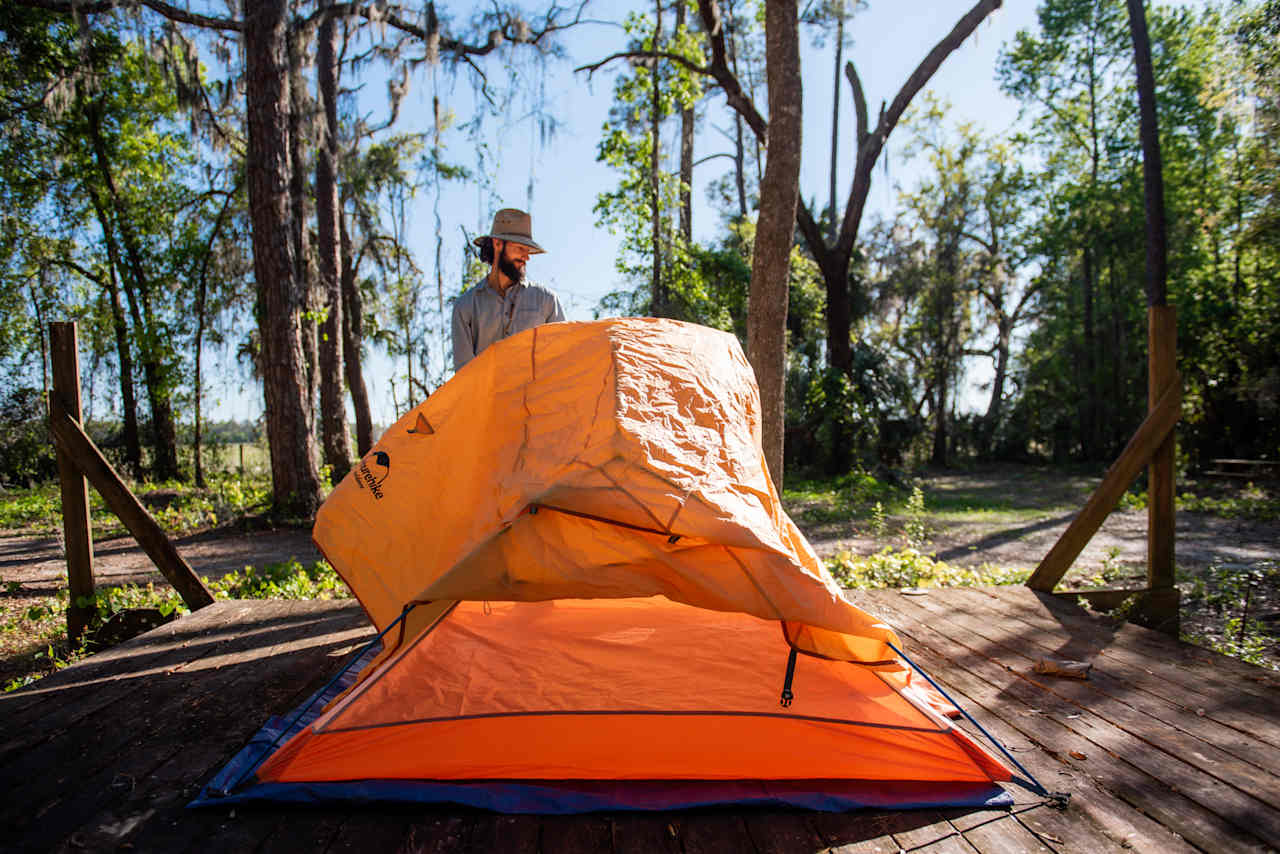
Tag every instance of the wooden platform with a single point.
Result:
(1167, 748)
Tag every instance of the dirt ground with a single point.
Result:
(1202, 539)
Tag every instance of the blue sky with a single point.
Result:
(887, 41)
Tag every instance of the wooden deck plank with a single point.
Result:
(229, 683)
(1141, 690)
(782, 831)
(132, 738)
(575, 834)
(161, 747)
(1015, 646)
(373, 829)
(172, 756)
(863, 832)
(1155, 694)
(645, 833)
(937, 829)
(954, 844)
(502, 833)
(1028, 729)
(1140, 781)
(27, 716)
(1245, 696)
(1232, 788)
(1005, 837)
(710, 831)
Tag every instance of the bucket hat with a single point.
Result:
(514, 226)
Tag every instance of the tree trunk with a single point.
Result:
(995, 407)
(352, 341)
(771, 262)
(1152, 168)
(832, 226)
(1089, 394)
(299, 233)
(164, 463)
(333, 410)
(295, 483)
(686, 151)
(128, 397)
(658, 294)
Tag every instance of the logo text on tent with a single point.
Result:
(373, 478)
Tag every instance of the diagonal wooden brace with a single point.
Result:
(1135, 457)
(76, 444)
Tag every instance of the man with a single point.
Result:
(502, 303)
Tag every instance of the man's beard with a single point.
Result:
(510, 270)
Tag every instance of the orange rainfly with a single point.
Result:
(588, 576)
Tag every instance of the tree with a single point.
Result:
(294, 477)
(333, 411)
(265, 33)
(779, 192)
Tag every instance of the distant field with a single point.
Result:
(231, 458)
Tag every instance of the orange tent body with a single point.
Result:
(590, 598)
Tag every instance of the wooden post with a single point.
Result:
(77, 535)
(79, 449)
(1139, 452)
(1162, 338)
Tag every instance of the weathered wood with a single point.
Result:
(76, 530)
(1155, 684)
(67, 699)
(515, 833)
(182, 729)
(1201, 809)
(779, 832)
(77, 446)
(937, 830)
(1162, 373)
(706, 831)
(125, 781)
(1135, 456)
(1010, 646)
(1005, 835)
(646, 833)
(1207, 679)
(575, 834)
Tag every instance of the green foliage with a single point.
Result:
(179, 508)
(1248, 502)
(26, 454)
(908, 567)
(1236, 593)
(287, 580)
(854, 495)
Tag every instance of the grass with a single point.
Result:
(179, 508)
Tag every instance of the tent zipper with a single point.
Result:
(787, 696)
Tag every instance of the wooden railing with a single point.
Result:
(80, 463)
(1152, 447)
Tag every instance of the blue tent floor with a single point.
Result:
(1166, 747)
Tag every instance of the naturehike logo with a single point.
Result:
(373, 477)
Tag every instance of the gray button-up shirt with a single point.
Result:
(481, 316)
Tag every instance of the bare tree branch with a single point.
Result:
(859, 102)
(173, 13)
(889, 119)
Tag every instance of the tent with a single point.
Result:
(588, 596)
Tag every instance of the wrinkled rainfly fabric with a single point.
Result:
(613, 459)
